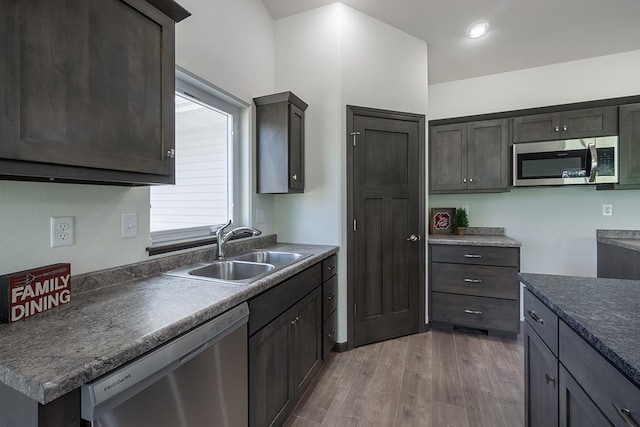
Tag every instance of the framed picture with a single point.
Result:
(441, 220)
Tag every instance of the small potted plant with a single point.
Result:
(461, 221)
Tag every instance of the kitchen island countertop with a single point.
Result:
(57, 351)
(604, 312)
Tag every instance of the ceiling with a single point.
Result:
(523, 34)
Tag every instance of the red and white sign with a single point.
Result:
(27, 293)
(442, 221)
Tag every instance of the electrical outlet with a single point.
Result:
(607, 210)
(62, 231)
(129, 226)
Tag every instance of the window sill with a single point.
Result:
(178, 245)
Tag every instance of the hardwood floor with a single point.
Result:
(438, 378)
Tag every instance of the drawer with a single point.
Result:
(478, 280)
(329, 267)
(478, 255)
(542, 320)
(273, 302)
(329, 296)
(608, 388)
(329, 334)
(476, 312)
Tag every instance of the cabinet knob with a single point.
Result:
(295, 177)
(550, 379)
(470, 179)
(464, 180)
(557, 128)
(564, 127)
(625, 413)
(171, 153)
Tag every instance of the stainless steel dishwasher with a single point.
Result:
(197, 379)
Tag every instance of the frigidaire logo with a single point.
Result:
(115, 383)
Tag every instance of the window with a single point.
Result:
(202, 197)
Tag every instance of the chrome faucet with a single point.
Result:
(222, 238)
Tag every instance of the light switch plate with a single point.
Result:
(129, 226)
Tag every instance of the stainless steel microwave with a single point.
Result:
(566, 162)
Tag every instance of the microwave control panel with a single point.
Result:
(606, 162)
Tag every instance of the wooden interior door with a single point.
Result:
(386, 263)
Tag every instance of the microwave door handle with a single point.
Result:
(594, 162)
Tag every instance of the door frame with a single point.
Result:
(420, 119)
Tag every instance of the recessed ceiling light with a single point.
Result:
(477, 29)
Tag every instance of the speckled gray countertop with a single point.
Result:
(55, 352)
(628, 239)
(476, 236)
(602, 311)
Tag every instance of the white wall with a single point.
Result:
(330, 57)
(555, 225)
(228, 43)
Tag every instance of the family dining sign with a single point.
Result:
(30, 292)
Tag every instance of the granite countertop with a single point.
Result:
(602, 311)
(628, 239)
(476, 236)
(57, 351)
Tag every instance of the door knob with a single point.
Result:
(413, 238)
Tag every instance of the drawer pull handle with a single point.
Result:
(472, 256)
(473, 281)
(474, 312)
(330, 297)
(626, 416)
(535, 317)
(331, 267)
(550, 379)
(330, 334)
(295, 321)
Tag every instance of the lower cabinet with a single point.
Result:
(615, 262)
(540, 381)
(578, 387)
(285, 346)
(576, 408)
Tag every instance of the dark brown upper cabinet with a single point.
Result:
(88, 90)
(590, 122)
(629, 145)
(469, 157)
(280, 143)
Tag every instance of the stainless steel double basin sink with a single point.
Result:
(240, 269)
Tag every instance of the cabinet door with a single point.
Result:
(629, 144)
(296, 148)
(270, 390)
(306, 343)
(540, 381)
(488, 155)
(448, 157)
(576, 408)
(537, 127)
(105, 99)
(589, 122)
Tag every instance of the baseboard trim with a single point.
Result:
(341, 347)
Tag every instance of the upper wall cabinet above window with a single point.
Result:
(585, 123)
(280, 143)
(87, 89)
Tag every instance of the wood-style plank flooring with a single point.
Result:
(438, 378)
